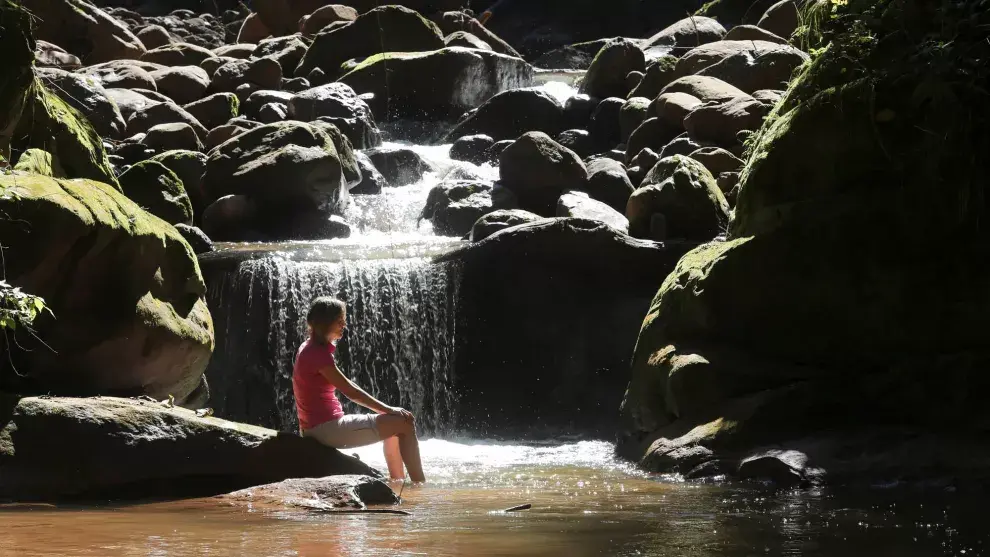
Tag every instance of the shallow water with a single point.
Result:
(584, 503)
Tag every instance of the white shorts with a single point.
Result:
(350, 430)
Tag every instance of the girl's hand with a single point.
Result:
(396, 411)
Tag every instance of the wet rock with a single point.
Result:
(510, 114)
(49, 55)
(753, 33)
(687, 196)
(88, 96)
(182, 84)
(579, 141)
(157, 190)
(579, 204)
(129, 449)
(704, 88)
(659, 73)
(333, 99)
(122, 77)
(721, 123)
(718, 161)
(140, 327)
(687, 33)
(232, 218)
(215, 109)
(632, 114)
(84, 30)
(177, 54)
(756, 66)
(453, 21)
(319, 494)
(466, 40)
(500, 146)
(154, 36)
(472, 148)
(372, 180)
(163, 113)
(165, 137)
(668, 457)
(385, 29)
(783, 468)
(304, 225)
(608, 183)
(578, 111)
(461, 80)
(607, 75)
(654, 134)
(400, 166)
(361, 132)
(316, 21)
(499, 220)
(345, 152)
(671, 108)
(197, 239)
(281, 164)
(539, 170)
(605, 125)
(781, 19)
(189, 167)
(454, 207)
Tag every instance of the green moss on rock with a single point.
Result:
(158, 190)
(37, 161)
(17, 45)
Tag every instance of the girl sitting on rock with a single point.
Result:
(315, 380)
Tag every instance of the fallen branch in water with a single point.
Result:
(525, 507)
(367, 511)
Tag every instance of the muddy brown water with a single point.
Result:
(584, 502)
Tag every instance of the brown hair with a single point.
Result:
(323, 312)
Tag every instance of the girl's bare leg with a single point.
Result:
(393, 458)
(405, 431)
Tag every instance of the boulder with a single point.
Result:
(64, 132)
(253, 30)
(399, 165)
(609, 183)
(632, 114)
(717, 161)
(345, 152)
(686, 33)
(454, 206)
(659, 73)
(704, 88)
(158, 190)
(578, 204)
(189, 167)
(330, 494)
(686, 194)
(281, 164)
(671, 108)
(163, 113)
(182, 84)
(385, 29)
(88, 96)
(38, 161)
(178, 135)
(122, 77)
(262, 72)
(214, 110)
(85, 30)
(177, 54)
(129, 313)
(721, 123)
(197, 239)
(578, 110)
(466, 40)
(682, 145)
(607, 75)
(232, 218)
(453, 21)
(282, 17)
(287, 51)
(472, 148)
(222, 134)
(539, 170)
(49, 55)
(461, 79)
(768, 97)
(605, 127)
(252, 105)
(510, 114)
(241, 51)
(756, 67)
(363, 133)
(579, 141)
(129, 102)
(500, 219)
(315, 22)
(335, 100)
(154, 36)
(652, 134)
(753, 33)
(273, 112)
(113, 448)
(372, 180)
(781, 19)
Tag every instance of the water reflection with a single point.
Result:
(584, 503)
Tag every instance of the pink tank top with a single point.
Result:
(316, 398)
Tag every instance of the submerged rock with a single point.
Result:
(112, 449)
(315, 494)
(129, 313)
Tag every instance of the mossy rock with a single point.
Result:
(48, 123)
(128, 299)
(37, 161)
(157, 190)
(17, 44)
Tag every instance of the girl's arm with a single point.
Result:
(354, 392)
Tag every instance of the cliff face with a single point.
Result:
(849, 297)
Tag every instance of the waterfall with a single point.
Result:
(399, 345)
